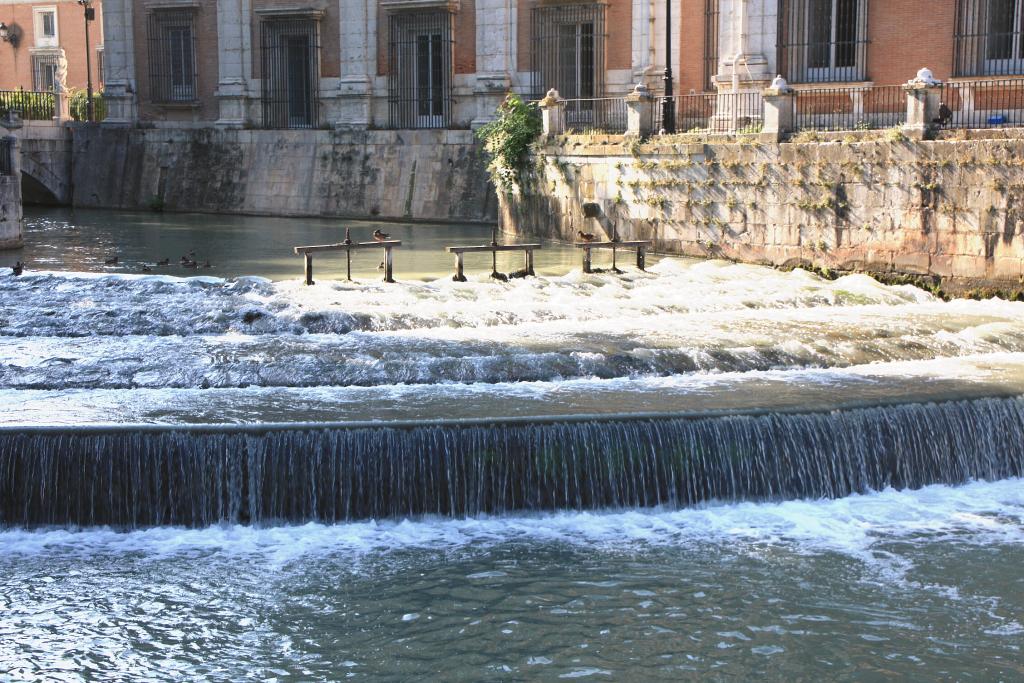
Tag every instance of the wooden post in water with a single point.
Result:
(641, 256)
(459, 264)
(586, 259)
(309, 268)
(388, 264)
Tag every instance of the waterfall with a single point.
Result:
(133, 477)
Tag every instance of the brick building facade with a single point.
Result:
(37, 33)
(448, 63)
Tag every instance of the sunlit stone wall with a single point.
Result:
(952, 208)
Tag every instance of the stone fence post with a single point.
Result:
(779, 111)
(640, 112)
(552, 109)
(924, 99)
(61, 105)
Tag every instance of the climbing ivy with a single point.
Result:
(507, 139)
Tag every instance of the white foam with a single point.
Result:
(983, 513)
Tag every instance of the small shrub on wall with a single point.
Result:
(79, 112)
(507, 140)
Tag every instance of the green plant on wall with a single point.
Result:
(507, 140)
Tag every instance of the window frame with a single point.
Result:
(38, 24)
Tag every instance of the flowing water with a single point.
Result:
(706, 469)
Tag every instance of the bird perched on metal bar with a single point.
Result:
(586, 236)
(380, 236)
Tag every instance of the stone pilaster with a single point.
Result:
(552, 109)
(358, 31)
(234, 60)
(119, 62)
(495, 56)
(748, 34)
(643, 47)
(779, 111)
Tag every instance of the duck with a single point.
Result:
(586, 236)
(190, 264)
(165, 262)
(112, 261)
(381, 266)
(147, 269)
(18, 268)
(184, 260)
(380, 236)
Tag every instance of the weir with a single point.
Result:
(199, 476)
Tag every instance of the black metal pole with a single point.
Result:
(668, 119)
(89, 14)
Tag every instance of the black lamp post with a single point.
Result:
(668, 114)
(90, 15)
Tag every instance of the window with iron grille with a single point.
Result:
(989, 38)
(44, 71)
(823, 41)
(290, 59)
(172, 56)
(710, 43)
(568, 50)
(420, 48)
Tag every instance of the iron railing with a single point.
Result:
(823, 41)
(989, 38)
(711, 14)
(603, 114)
(420, 69)
(6, 156)
(568, 50)
(290, 61)
(172, 56)
(982, 104)
(850, 108)
(724, 112)
(30, 105)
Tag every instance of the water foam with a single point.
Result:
(978, 513)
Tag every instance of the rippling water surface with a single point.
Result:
(920, 585)
(913, 584)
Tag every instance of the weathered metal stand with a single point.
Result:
(347, 247)
(641, 247)
(459, 253)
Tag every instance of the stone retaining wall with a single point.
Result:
(10, 200)
(953, 209)
(433, 175)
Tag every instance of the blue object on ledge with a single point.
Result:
(997, 120)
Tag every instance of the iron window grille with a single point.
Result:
(711, 13)
(823, 41)
(290, 59)
(44, 72)
(989, 38)
(420, 69)
(568, 52)
(172, 56)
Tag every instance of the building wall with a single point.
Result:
(11, 217)
(903, 36)
(16, 62)
(908, 35)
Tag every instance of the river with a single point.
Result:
(707, 470)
